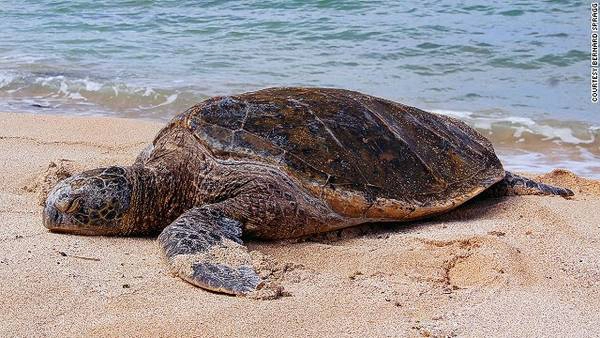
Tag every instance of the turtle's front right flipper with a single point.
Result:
(204, 247)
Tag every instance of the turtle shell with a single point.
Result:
(346, 141)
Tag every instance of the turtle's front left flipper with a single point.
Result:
(204, 247)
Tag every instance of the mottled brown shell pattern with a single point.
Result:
(343, 143)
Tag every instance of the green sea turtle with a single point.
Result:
(281, 163)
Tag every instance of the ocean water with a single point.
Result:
(518, 71)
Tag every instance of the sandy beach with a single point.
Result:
(514, 266)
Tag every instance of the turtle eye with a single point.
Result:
(74, 205)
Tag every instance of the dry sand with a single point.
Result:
(518, 266)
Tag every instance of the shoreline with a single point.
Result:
(516, 266)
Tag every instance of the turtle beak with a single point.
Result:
(58, 221)
(52, 217)
(57, 208)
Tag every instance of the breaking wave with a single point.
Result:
(66, 93)
(525, 144)
(529, 145)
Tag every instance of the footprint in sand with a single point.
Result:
(482, 262)
(55, 172)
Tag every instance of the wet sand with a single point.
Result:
(515, 266)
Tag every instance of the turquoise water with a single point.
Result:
(518, 72)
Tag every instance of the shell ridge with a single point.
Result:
(327, 129)
(478, 152)
(450, 141)
(344, 148)
(287, 152)
(393, 129)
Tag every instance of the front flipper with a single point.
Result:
(204, 247)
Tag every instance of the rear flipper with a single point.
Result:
(517, 185)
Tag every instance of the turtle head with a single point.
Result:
(94, 202)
